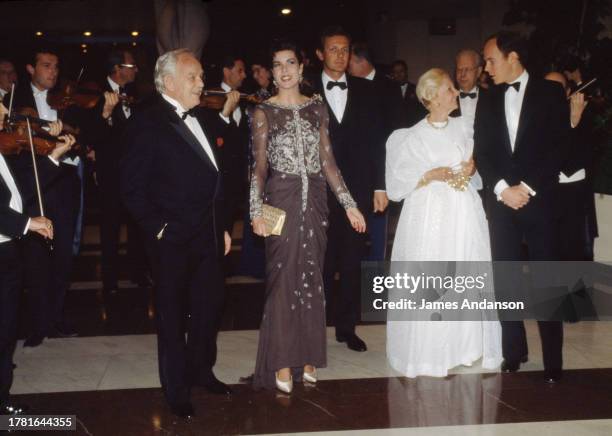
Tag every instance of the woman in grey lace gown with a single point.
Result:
(293, 161)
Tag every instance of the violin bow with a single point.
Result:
(36, 179)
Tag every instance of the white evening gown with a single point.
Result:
(437, 223)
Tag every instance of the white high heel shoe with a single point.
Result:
(310, 377)
(284, 386)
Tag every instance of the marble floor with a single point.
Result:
(107, 376)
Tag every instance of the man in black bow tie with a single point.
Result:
(171, 184)
(468, 67)
(521, 137)
(357, 136)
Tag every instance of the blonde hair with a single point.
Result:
(428, 85)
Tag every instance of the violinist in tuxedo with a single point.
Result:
(48, 272)
(171, 184)
(15, 223)
(234, 146)
(521, 134)
(111, 116)
(356, 131)
(8, 77)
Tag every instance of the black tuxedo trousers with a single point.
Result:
(187, 275)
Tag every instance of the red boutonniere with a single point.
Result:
(219, 141)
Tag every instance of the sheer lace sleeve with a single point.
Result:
(259, 138)
(328, 163)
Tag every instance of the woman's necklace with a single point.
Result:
(434, 125)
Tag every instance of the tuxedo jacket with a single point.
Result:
(413, 110)
(541, 145)
(12, 223)
(358, 142)
(390, 94)
(106, 136)
(167, 179)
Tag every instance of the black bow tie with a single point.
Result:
(341, 85)
(515, 85)
(190, 112)
(467, 94)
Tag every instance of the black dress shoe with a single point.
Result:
(14, 409)
(63, 330)
(508, 366)
(552, 376)
(183, 410)
(353, 342)
(215, 386)
(33, 341)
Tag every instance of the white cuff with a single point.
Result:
(54, 161)
(224, 118)
(380, 190)
(499, 188)
(27, 226)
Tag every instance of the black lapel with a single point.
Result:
(182, 129)
(501, 113)
(526, 110)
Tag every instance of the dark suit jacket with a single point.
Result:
(13, 223)
(106, 138)
(414, 111)
(358, 141)
(540, 148)
(390, 94)
(167, 178)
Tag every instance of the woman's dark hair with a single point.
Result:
(282, 44)
(508, 42)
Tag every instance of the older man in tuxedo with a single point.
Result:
(171, 184)
(521, 136)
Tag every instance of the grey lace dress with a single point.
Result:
(293, 161)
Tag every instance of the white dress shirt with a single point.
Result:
(115, 87)
(468, 106)
(194, 125)
(404, 88)
(2, 94)
(513, 103)
(237, 114)
(15, 203)
(45, 112)
(336, 97)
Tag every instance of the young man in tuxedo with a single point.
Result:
(521, 134)
(356, 131)
(172, 187)
(48, 272)
(111, 117)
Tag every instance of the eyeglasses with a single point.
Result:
(128, 65)
(466, 70)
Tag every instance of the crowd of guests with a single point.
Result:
(329, 148)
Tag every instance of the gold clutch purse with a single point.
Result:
(274, 219)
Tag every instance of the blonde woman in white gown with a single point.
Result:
(437, 223)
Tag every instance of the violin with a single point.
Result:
(15, 118)
(16, 141)
(214, 99)
(85, 95)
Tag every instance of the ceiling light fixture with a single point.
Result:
(39, 33)
(135, 33)
(286, 11)
(87, 33)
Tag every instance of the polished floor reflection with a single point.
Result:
(108, 377)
